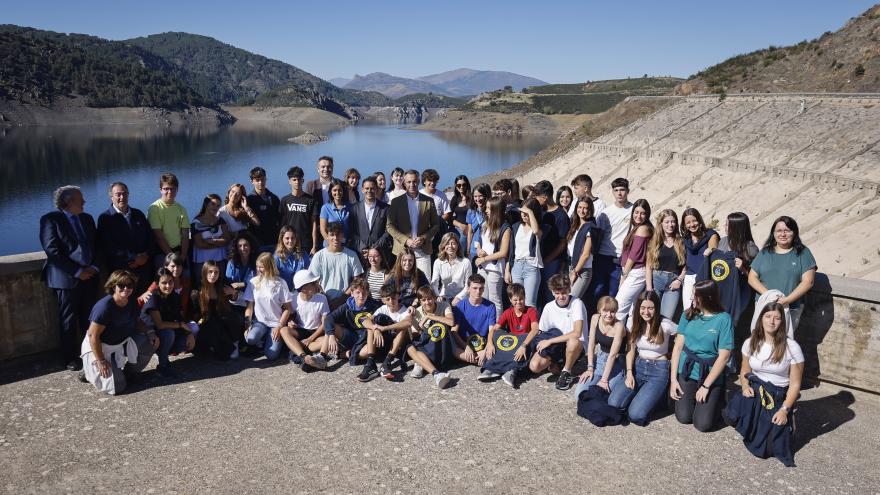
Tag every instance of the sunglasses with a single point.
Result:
(460, 184)
(124, 286)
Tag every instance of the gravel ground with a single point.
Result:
(254, 427)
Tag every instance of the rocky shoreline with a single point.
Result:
(71, 111)
(504, 124)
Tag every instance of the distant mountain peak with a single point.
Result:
(458, 82)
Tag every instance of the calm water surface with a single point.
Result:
(35, 161)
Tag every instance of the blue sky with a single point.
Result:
(557, 41)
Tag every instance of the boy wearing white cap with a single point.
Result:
(308, 310)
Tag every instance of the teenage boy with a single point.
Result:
(345, 331)
(388, 329)
(561, 326)
(430, 179)
(519, 320)
(506, 190)
(335, 266)
(551, 248)
(582, 187)
(473, 317)
(614, 220)
(432, 346)
(308, 311)
(266, 206)
(299, 212)
(169, 220)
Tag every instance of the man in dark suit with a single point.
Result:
(367, 222)
(125, 237)
(68, 238)
(413, 222)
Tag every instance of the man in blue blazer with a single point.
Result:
(367, 223)
(125, 238)
(67, 235)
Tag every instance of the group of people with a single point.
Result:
(514, 281)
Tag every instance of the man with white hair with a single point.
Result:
(67, 235)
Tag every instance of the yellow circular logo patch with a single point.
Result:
(437, 332)
(720, 270)
(507, 342)
(477, 342)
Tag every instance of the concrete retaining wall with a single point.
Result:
(839, 331)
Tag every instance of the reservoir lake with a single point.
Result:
(34, 161)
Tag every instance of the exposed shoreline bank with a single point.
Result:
(511, 124)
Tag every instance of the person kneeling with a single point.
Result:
(561, 326)
(507, 351)
(115, 346)
(345, 330)
(772, 370)
(432, 346)
(164, 313)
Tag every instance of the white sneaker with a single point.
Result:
(487, 375)
(417, 371)
(441, 379)
(509, 378)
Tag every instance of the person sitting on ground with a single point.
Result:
(388, 329)
(376, 272)
(289, 256)
(609, 333)
(345, 333)
(433, 348)
(268, 308)
(165, 317)
(335, 266)
(646, 378)
(705, 337)
(117, 344)
(450, 272)
(772, 367)
(473, 317)
(309, 309)
(407, 277)
(220, 327)
(174, 264)
(561, 326)
(520, 320)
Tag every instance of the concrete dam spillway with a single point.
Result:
(814, 157)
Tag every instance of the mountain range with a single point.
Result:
(458, 82)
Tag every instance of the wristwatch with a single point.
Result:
(784, 408)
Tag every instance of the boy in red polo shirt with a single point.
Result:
(507, 351)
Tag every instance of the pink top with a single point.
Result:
(636, 252)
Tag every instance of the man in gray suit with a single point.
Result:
(67, 235)
(367, 223)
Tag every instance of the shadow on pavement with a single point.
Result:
(817, 417)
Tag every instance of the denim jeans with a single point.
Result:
(550, 268)
(261, 335)
(668, 298)
(601, 359)
(652, 383)
(529, 276)
(170, 340)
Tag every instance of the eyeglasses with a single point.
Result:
(460, 184)
(125, 286)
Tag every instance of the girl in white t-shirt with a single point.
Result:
(268, 307)
(308, 309)
(774, 358)
(772, 369)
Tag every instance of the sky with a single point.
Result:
(556, 41)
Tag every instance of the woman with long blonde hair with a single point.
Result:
(666, 263)
(268, 308)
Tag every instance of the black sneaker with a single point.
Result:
(564, 381)
(386, 371)
(369, 372)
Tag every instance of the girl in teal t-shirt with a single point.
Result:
(699, 358)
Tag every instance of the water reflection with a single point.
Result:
(36, 160)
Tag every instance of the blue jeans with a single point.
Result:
(606, 280)
(261, 335)
(601, 359)
(530, 278)
(668, 298)
(170, 340)
(652, 383)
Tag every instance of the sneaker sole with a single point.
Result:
(370, 377)
(308, 361)
(443, 383)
